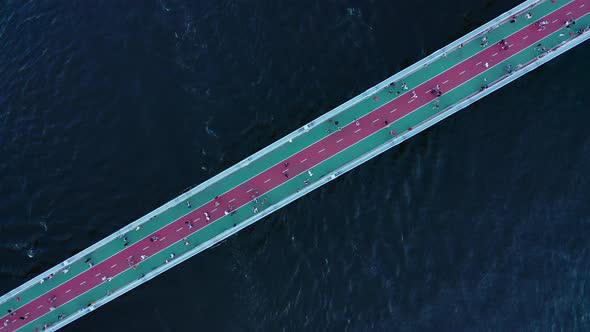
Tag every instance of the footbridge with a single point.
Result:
(382, 117)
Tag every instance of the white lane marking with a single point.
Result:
(582, 5)
(411, 100)
(525, 37)
(495, 54)
(146, 248)
(267, 181)
(162, 239)
(285, 171)
(113, 266)
(249, 190)
(375, 120)
(510, 45)
(463, 72)
(231, 200)
(69, 290)
(356, 131)
(129, 257)
(340, 140)
(393, 110)
(304, 160)
(196, 219)
(213, 210)
(569, 13)
(322, 150)
(98, 274)
(479, 63)
(555, 20)
(445, 82)
(39, 307)
(178, 230)
(82, 283)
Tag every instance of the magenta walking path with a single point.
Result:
(301, 162)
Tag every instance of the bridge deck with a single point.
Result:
(396, 109)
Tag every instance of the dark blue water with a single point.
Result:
(109, 109)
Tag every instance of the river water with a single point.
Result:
(109, 109)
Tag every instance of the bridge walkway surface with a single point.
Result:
(403, 105)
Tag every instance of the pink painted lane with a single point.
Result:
(297, 164)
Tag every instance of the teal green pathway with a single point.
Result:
(296, 165)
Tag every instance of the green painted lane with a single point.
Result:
(314, 134)
(412, 119)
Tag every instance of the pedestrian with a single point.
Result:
(188, 204)
(414, 95)
(404, 86)
(484, 42)
(528, 16)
